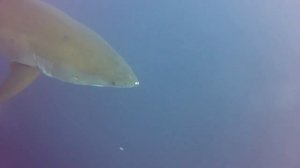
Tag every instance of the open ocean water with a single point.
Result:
(219, 88)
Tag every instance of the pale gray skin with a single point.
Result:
(41, 36)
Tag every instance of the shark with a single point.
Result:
(38, 38)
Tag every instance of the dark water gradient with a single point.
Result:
(219, 89)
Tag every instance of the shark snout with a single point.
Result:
(127, 81)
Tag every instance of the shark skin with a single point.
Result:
(37, 37)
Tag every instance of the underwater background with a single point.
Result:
(219, 88)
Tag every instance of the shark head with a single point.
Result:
(107, 70)
(84, 58)
(74, 53)
(38, 37)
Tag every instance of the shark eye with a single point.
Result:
(113, 83)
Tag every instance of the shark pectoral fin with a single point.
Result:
(19, 78)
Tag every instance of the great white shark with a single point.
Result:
(38, 37)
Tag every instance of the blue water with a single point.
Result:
(219, 88)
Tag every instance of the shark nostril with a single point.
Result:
(75, 78)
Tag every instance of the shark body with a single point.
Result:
(37, 37)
